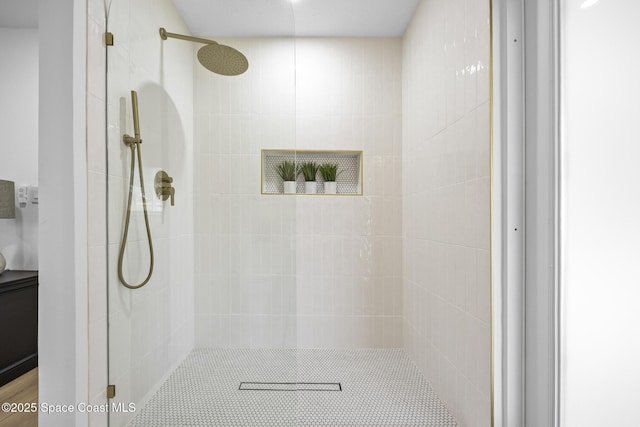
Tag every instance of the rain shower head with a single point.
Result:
(215, 57)
(222, 59)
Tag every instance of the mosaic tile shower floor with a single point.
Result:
(379, 388)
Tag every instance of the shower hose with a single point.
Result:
(134, 145)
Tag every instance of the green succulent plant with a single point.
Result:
(287, 170)
(309, 170)
(329, 171)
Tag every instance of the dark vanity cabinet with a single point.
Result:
(18, 323)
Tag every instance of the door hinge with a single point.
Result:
(111, 391)
(108, 38)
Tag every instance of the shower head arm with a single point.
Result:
(164, 34)
(220, 59)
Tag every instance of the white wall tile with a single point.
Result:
(445, 200)
(341, 100)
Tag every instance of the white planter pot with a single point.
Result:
(330, 187)
(290, 187)
(310, 187)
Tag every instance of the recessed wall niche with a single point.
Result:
(348, 181)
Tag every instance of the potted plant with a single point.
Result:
(287, 171)
(329, 172)
(309, 171)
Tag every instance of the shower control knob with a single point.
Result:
(164, 189)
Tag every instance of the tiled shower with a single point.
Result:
(404, 266)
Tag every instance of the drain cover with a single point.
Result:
(290, 386)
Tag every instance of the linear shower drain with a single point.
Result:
(262, 386)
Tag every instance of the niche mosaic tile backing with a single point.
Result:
(379, 388)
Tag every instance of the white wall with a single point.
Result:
(62, 169)
(299, 271)
(19, 159)
(151, 329)
(446, 202)
(600, 207)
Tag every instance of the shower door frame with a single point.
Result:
(525, 220)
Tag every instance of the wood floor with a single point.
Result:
(21, 390)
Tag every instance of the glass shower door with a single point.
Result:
(151, 327)
(219, 308)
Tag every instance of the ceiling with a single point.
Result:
(313, 18)
(19, 13)
(266, 18)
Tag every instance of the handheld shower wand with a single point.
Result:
(130, 140)
(136, 120)
(133, 142)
